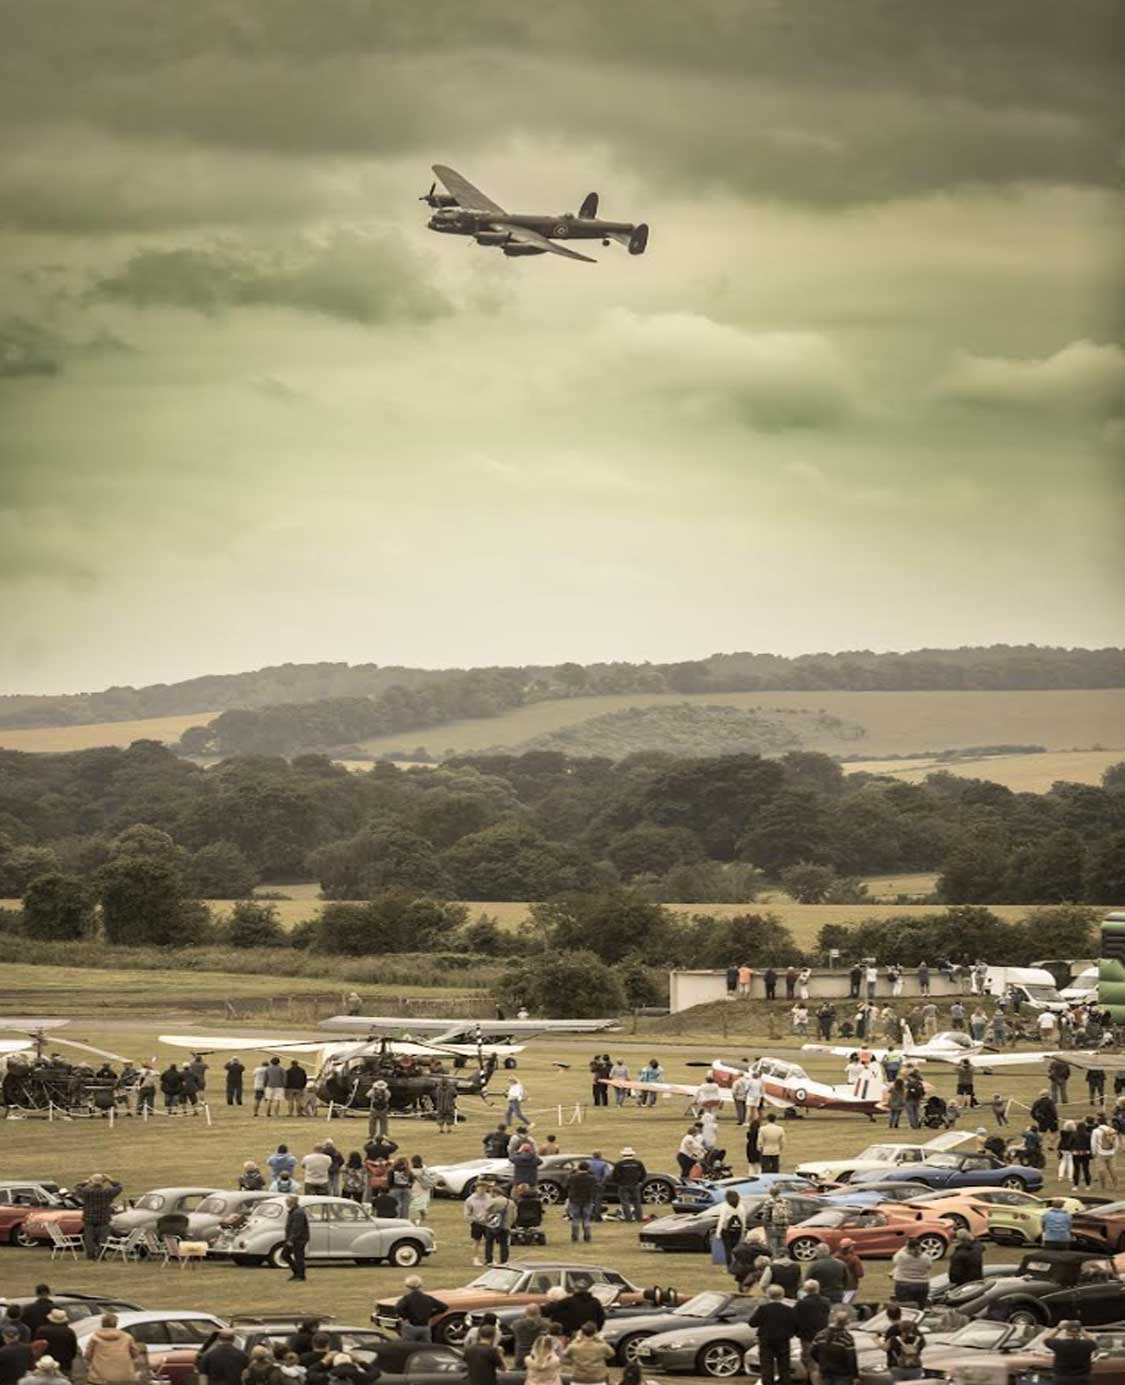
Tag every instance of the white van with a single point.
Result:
(1083, 988)
(1035, 986)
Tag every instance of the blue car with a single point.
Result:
(855, 1196)
(952, 1170)
(694, 1197)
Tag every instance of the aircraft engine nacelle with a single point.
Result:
(493, 237)
(516, 250)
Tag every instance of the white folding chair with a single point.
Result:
(172, 1250)
(153, 1247)
(61, 1242)
(127, 1246)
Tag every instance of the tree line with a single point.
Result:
(453, 693)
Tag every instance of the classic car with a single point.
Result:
(339, 1229)
(1021, 1223)
(1097, 1228)
(221, 1212)
(162, 1331)
(147, 1211)
(871, 1355)
(625, 1334)
(693, 1197)
(876, 1231)
(1049, 1287)
(1029, 1362)
(694, 1230)
(500, 1286)
(883, 1158)
(965, 1171)
(940, 1287)
(77, 1306)
(19, 1200)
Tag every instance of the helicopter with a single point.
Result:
(347, 1071)
(35, 1080)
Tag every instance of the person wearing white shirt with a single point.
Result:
(708, 1096)
(803, 980)
(709, 1129)
(738, 1090)
(755, 1093)
(690, 1152)
(1104, 1144)
(318, 1167)
(260, 1077)
(871, 976)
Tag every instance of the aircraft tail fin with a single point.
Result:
(589, 208)
(639, 239)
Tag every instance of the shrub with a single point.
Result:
(253, 925)
(561, 985)
(58, 906)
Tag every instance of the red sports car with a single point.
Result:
(876, 1231)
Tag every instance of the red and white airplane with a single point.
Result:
(784, 1084)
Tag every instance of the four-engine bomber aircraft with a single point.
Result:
(465, 211)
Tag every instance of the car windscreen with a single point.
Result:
(986, 1336)
(702, 1306)
(499, 1281)
(944, 1161)
(834, 1217)
(883, 1153)
(151, 1202)
(213, 1206)
(270, 1209)
(1107, 1209)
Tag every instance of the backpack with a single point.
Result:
(354, 1180)
(835, 1356)
(494, 1221)
(734, 1226)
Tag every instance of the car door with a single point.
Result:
(1099, 1296)
(320, 1231)
(875, 1233)
(972, 1170)
(345, 1223)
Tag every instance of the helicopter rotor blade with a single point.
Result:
(89, 1048)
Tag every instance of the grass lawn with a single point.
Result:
(167, 1152)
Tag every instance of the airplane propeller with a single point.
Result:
(428, 197)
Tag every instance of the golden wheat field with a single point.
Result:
(60, 738)
(896, 723)
(1021, 773)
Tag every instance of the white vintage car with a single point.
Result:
(339, 1230)
(459, 1180)
(882, 1156)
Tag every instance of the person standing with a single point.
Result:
(296, 1237)
(929, 1019)
(825, 1019)
(1095, 1085)
(896, 1103)
(753, 1152)
(59, 1337)
(871, 977)
(966, 1082)
(475, 1205)
(317, 1165)
(599, 1069)
(275, 1087)
(1058, 1073)
(484, 1360)
(791, 975)
(831, 1274)
(619, 1072)
(282, 1162)
(731, 1223)
(111, 1355)
(915, 1088)
(416, 1309)
(834, 1352)
(804, 976)
(97, 1196)
(378, 1109)
(36, 1313)
(525, 1164)
(629, 1174)
(738, 1096)
(813, 1311)
(1073, 1349)
(499, 1214)
(171, 1087)
(776, 1323)
(966, 1260)
(235, 1070)
(910, 1274)
(690, 1152)
(745, 980)
(580, 1194)
(198, 1069)
(445, 1106)
(923, 978)
(771, 1141)
(600, 1168)
(261, 1082)
(515, 1097)
(1104, 1146)
(1083, 1146)
(855, 980)
(769, 979)
(775, 1221)
(296, 1080)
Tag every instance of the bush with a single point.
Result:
(395, 921)
(808, 883)
(643, 985)
(142, 899)
(58, 906)
(253, 925)
(561, 985)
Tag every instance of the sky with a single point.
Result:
(866, 388)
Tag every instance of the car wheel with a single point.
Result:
(656, 1192)
(551, 1194)
(1016, 1183)
(1027, 1317)
(21, 1238)
(451, 1330)
(276, 1257)
(469, 1189)
(404, 1254)
(803, 1248)
(956, 1221)
(627, 1347)
(720, 1360)
(932, 1246)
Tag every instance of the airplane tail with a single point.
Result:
(639, 239)
(589, 208)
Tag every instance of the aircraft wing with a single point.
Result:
(683, 1089)
(452, 1032)
(14, 1046)
(526, 236)
(466, 194)
(224, 1043)
(877, 1054)
(1110, 1062)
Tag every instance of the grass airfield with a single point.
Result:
(184, 1150)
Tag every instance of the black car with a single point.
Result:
(694, 1230)
(555, 1171)
(1049, 1287)
(77, 1306)
(425, 1363)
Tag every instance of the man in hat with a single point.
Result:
(629, 1174)
(379, 1109)
(59, 1336)
(97, 1196)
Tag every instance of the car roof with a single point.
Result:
(187, 1188)
(134, 1318)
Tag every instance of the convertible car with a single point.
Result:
(965, 1171)
(876, 1231)
(712, 1309)
(1099, 1228)
(1050, 1286)
(885, 1158)
(1021, 1223)
(694, 1230)
(693, 1197)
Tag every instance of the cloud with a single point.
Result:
(350, 275)
(1082, 377)
(767, 380)
(28, 349)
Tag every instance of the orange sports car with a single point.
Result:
(876, 1231)
(968, 1209)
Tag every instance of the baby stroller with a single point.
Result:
(934, 1112)
(527, 1227)
(1018, 1152)
(714, 1164)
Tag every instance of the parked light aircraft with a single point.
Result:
(784, 1084)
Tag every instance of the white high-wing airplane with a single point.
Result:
(469, 1032)
(955, 1047)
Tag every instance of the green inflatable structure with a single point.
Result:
(1111, 966)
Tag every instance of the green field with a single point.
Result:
(164, 1152)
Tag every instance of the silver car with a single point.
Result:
(339, 1230)
(206, 1222)
(160, 1202)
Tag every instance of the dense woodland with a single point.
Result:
(294, 707)
(541, 824)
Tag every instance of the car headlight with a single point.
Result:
(677, 1345)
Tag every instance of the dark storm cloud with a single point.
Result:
(349, 276)
(28, 349)
(810, 101)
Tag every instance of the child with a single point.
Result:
(1000, 1109)
(291, 1369)
(952, 1114)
